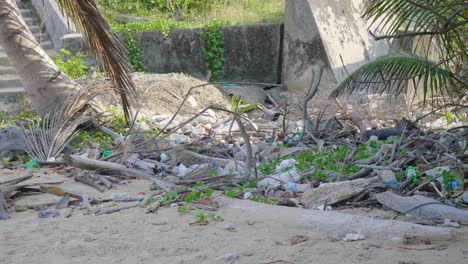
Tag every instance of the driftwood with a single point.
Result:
(90, 182)
(3, 208)
(422, 207)
(111, 210)
(152, 208)
(92, 165)
(189, 158)
(333, 193)
(89, 164)
(18, 180)
(338, 224)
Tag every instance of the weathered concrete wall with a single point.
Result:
(303, 49)
(345, 35)
(57, 25)
(252, 52)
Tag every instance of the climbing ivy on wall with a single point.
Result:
(213, 52)
(129, 31)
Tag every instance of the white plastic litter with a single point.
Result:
(274, 181)
(353, 237)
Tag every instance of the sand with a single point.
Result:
(167, 237)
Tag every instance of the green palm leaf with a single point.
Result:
(446, 19)
(391, 74)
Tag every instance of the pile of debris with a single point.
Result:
(269, 159)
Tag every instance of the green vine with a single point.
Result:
(129, 31)
(213, 37)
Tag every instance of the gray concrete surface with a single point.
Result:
(252, 52)
(344, 34)
(303, 49)
(56, 24)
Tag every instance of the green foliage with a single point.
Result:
(74, 66)
(444, 24)
(129, 31)
(90, 137)
(8, 118)
(236, 106)
(184, 209)
(200, 215)
(448, 117)
(116, 119)
(213, 37)
(450, 176)
(197, 194)
(169, 198)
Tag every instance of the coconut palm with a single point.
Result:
(45, 85)
(439, 26)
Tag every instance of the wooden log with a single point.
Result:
(90, 164)
(88, 181)
(111, 210)
(337, 224)
(3, 208)
(421, 206)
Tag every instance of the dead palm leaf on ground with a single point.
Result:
(47, 137)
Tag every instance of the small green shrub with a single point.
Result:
(213, 37)
(74, 66)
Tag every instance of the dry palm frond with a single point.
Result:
(46, 138)
(106, 46)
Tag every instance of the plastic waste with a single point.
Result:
(295, 187)
(164, 158)
(32, 164)
(465, 197)
(389, 178)
(119, 197)
(247, 195)
(274, 181)
(48, 213)
(353, 237)
(324, 208)
(179, 138)
(285, 164)
(411, 172)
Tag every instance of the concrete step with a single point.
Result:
(5, 62)
(31, 21)
(9, 80)
(7, 70)
(11, 90)
(35, 29)
(27, 12)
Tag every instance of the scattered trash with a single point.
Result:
(353, 237)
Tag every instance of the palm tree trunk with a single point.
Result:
(45, 85)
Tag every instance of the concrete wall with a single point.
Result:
(345, 35)
(303, 49)
(61, 31)
(252, 52)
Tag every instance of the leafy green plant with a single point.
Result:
(74, 66)
(184, 209)
(196, 194)
(433, 20)
(213, 37)
(95, 136)
(169, 198)
(448, 117)
(200, 215)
